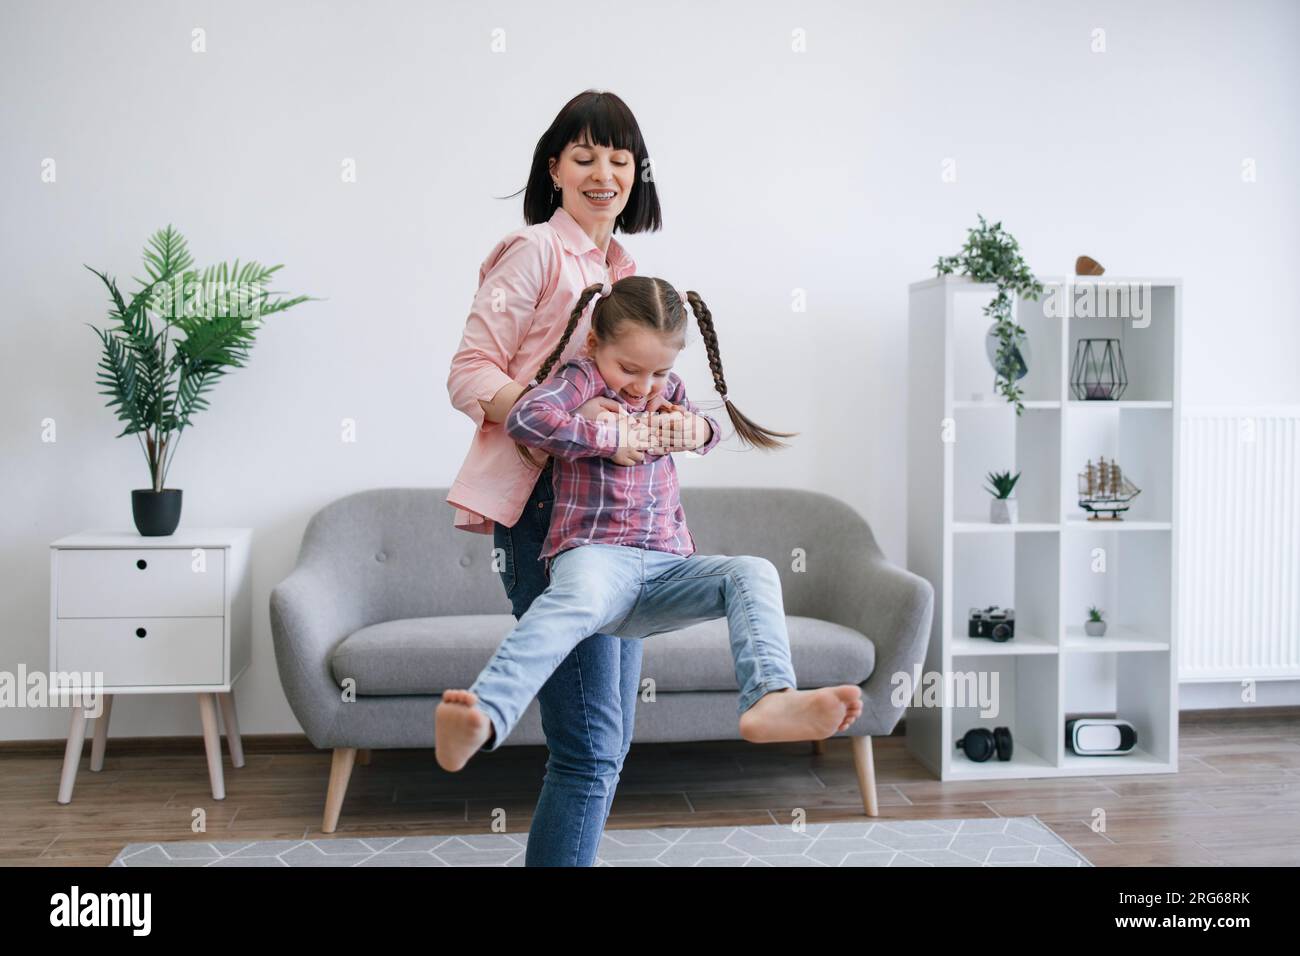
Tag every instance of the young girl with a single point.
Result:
(619, 557)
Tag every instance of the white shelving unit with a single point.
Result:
(1053, 562)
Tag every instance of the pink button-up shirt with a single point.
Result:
(528, 286)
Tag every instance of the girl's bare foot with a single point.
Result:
(460, 729)
(789, 714)
(853, 713)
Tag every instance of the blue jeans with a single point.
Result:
(588, 706)
(635, 593)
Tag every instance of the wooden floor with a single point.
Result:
(1234, 801)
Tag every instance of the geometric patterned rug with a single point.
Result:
(1000, 841)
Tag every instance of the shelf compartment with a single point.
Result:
(1128, 575)
(1024, 688)
(1140, 438)
(988, 439)
(1146, 342)
(974, 378)
(1015, 571)
(1135, 686)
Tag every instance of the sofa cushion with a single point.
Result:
(427, 655)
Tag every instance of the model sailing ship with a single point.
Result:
(1105, 491)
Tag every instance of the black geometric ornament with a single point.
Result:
(1097, 371)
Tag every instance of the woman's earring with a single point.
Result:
(556, 185)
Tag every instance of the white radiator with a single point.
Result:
(1239, 544)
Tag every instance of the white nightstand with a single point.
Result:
(164, 615)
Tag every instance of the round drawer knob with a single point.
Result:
(464, 560)
(140, 632)
(381, 556)
(142, 564)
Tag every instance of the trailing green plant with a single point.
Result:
(992, 255)
(1094, 613)
(1002, 483)
(218, 311)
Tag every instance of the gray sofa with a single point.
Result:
(389, 604)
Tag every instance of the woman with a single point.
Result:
(583, 185)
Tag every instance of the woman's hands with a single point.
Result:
(498, 409)
(593, 408)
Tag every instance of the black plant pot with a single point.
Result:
(156, 513)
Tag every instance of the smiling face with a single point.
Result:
(596, 181)
(636, 364)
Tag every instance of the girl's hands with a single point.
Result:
(638, 438)
(627, 456)
(674, 428)
(661, 429)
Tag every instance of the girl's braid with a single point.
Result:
(749, 431)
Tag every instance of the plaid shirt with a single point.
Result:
(597, 501)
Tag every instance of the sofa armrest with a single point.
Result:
(894, 608)
(310, 616)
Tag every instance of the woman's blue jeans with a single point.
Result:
(588, 706)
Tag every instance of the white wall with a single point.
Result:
(778, 170)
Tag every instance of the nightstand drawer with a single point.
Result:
(125, 582)
(172, 650)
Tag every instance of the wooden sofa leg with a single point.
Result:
(819, 747)
(865, 765)
(363, 758)
(340, 773)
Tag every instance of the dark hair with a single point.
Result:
(600, 118)
(654, 304)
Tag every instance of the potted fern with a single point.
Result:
(1002, 509)
(209, 319)
(1094, 626)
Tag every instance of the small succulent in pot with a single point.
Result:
(1094, 626)
(1002, 509)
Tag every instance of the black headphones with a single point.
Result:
(980, 743)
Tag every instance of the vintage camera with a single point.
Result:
(997, 624)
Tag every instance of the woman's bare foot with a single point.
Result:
(789, 714)
(460, 729)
